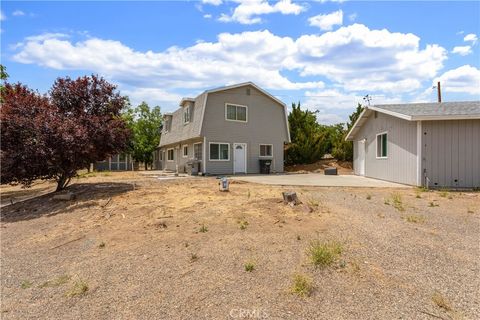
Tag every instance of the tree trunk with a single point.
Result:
(145, 166)
(62, 182)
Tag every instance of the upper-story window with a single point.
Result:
(168, 124)
(186, 114)
(234, 112)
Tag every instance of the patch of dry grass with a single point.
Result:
(56, 282)
(302, 285)
(441, 301)
(79, 288)
(323, 254)
(414, 218)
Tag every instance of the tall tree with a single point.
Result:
(44, 138)
(308, 141)
(145, 124)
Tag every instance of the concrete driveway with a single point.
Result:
(319, 180)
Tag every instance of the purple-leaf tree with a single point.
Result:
(44, 138)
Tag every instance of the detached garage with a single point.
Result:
(425, 144)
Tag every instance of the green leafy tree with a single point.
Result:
(3, 77)
(341, 149)
(308, 141)
(145, 124)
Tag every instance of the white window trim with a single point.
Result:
(173, 155)
(237, 105)
(183, 151)
(193, 150)
(224, 160)
(189, 115)
(376, 145)
(264, 144)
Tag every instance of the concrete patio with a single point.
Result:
(319, 180)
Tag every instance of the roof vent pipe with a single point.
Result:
(439, 92)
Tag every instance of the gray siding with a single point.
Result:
(266, 125)
(451, 153)
(180, 131)
(114, 164)
(401, 163)
(178, 156)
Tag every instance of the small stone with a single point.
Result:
(66, 196)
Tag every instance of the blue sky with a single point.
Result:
(326, 54)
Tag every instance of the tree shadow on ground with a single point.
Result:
(45, 205)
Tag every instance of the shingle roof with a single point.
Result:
(418, 111)
(180, 132)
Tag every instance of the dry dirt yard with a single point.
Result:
(135, 247)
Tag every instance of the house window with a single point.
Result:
(160, 155)
(382, 145)
(235, 112)
(186, 114)
(185, 151)
(266, 150)
(219, 151)
(170, 156)
(197, 151)
(167, 125)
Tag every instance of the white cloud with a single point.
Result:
(462, 50)
(465, 79)
(259, 56)
(2, 16)
(212, 2)
(362, 59)
(207, 16)
(353, 58)
(153, 96)
(334, 106)
(471, 38)
(18, 13)
(352, 17)
(327, 21)
(249, 11)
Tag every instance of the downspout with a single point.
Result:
(419, 154)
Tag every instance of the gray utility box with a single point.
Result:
(330, 171)
(193, 167)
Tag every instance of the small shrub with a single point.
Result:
(193, 257)
(323, 254)
(248, 194)
(433, 204)
(26, 284)
(249, 266)
(369, 197)
(470, 211)
(101, 245)
(387, 202)
(298, 238)
(415, 218)
(302, 285)
(443, 193)
(80, 287)
(203, 229)
(397, 202)
(243, 224)
(441, 301)
(56, 282)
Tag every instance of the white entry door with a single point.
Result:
(239, 158)
(361, 157)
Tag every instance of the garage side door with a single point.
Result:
(451, 153)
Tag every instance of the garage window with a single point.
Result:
(382, 145)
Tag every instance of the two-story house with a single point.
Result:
(225, 131)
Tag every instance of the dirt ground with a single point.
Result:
(135, 247)
(343, 167)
